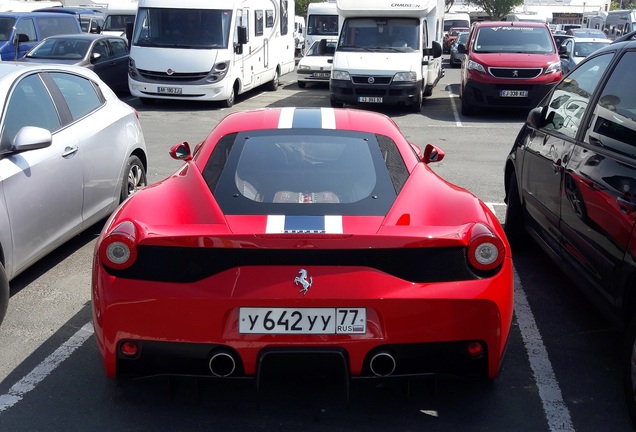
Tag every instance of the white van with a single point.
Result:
(210, 51)
(387, 53)
(322, 22)
(117, 16)
(619, 22)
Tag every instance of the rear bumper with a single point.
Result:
(425, 328)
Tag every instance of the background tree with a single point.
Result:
(496, 9)
(623, 4)
(449, 4)
(301, 6)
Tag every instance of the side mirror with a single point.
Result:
(432, 154)
(435, 50)
(242, 35)
(535, 117)
(181, 151)
(31, 138)
(95, 57)
(563, 51)
(461, 48)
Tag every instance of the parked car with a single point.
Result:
(303, 230)
(576, 49)
(587, 33)
(570, 182)
(29, 28)
(70, 153)
(451, 36)
(560, 38)
(508, 64)
(315, 66)
(455, 57)
(107, 56)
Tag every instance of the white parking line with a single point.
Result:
(458, 122)
(556, 411)
(41, 371)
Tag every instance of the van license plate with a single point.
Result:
(513, 93)
(370, 99)
(169, 90)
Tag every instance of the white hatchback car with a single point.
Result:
(70, 153)
(315, 66)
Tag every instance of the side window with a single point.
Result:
(284, 17)
(613, 123)
(101, 48)
(29, 105)
(258, 23)
(118, 46)
(269, 18)
(27, 27)
(79, 93)
(568, 103)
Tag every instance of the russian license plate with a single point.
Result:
(321, 75)
(169, 90)
(513, 93)
(370, 99)
(302, 320)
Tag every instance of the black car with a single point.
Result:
(107, 56)
(571, 186)
(560, 38)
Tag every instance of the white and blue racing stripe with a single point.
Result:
(283, 224)
(312, 118)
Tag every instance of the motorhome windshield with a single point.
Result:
(379, 34)
(182, 28)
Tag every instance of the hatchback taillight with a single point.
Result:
(118, 249)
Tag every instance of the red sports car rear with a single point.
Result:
(298, 231)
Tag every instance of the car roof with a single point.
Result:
(590, 39)
(29, 14)
(70, 10)
(509, 24)
(82, 36)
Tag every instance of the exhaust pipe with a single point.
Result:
(222, 364)
(382, 364)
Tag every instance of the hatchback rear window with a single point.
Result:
(514, 39)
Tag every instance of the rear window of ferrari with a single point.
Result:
(305, 171)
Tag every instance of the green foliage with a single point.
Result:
(301, 6)
(496, 9)
(623, 4)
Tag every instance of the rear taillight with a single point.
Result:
(485, 250)
(118, 249)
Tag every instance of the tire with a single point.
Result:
(4, 293)
(514, 225)
(147, 101)
(628, 363)
(134, 177)
(273, 84)
(467, 109)
(416, 106)
(302, 84)
(335, 104)
(229, 102)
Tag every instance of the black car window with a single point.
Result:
(79, 93)
(101, 47)
(29, 105)
(613, 123)
(570, 98)
(118, 46)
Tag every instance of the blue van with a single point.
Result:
(32, 28)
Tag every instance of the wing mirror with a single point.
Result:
(181, 151)
(432, 154)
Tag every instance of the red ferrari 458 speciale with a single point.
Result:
(303, 230)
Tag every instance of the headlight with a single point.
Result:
(303, 67)
(405, 76)
(473, 65)
(340, 75)
(218, 72)
(552, 68)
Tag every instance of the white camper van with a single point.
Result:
(117, 16)
(210, 51)
(299, 34)
(387, 53)
(456, 20)
(619, 22)
(322, 22)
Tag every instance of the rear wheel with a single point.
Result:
(134, 177)
(273, 84)
(514, 225)
(4, 293)
(628, 360)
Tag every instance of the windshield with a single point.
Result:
(182, 28)
(320, 48)
(6, 27)
(60, 49)
(322, 25)
(514, 39)
(449, 24)
(380, 34)
(118, 22)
